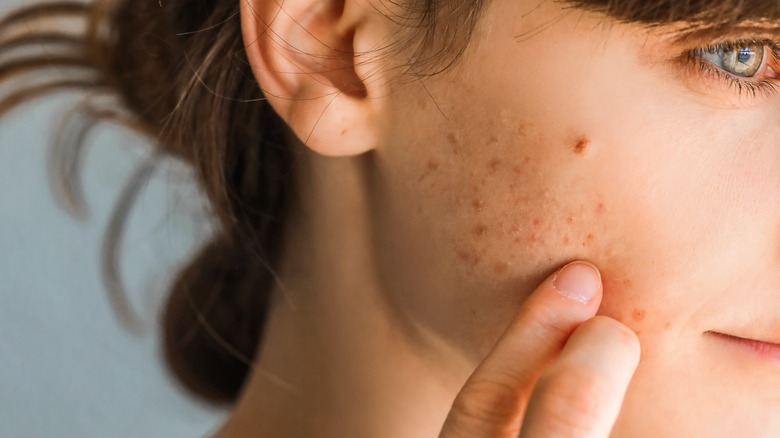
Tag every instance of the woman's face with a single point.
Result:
(565, 135)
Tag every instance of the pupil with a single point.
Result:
(745, 54)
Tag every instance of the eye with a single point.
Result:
(749, 67)
(744, 61)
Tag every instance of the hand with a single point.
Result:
(557, 371)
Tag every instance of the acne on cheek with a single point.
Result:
(526, 232)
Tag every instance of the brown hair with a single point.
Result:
(180, 75)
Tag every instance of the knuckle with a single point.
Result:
(571, 399)
(486, 401)
(551, 324)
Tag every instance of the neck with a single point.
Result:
(336, 359)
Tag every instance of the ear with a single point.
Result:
(302, 53)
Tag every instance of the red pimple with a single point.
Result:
(601, 208)
(638, 315)
(537, 221)
(501, 267)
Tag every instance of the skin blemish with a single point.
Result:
(526, 159)
(522, 128)
(581, 146)
(454, 144)
(601, 208)
(431, 167)
(638, 315)
(537, 221)
(566, 240)
(588, 240)
(494, 163)
(570, 220)
(493, 139)
(668, 325)
(501, 268)
(478, 205)
(517, 169)
(469, 258)
(480, 230)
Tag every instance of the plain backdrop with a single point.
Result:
(67, 366)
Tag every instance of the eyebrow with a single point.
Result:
(700, 13)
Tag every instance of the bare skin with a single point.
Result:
(451, 201)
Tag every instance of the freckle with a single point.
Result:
(667, 325)
(453, 140)
(590, 237)
(638, 315)
(469, 258)
(478, 205)
(433, 165)
(343, 131)
(537, 221)
(494, 163)
(480, 230)
(501, 267)
(493, 139)
(581, 146)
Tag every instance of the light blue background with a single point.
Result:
(67, 368)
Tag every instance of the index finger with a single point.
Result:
(492, 402)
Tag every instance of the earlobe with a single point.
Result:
(302, 54)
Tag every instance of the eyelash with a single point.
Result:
(744, 86)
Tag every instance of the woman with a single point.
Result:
(397, 185)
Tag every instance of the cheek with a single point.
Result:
(523, 207)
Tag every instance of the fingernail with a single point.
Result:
(578, 281)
